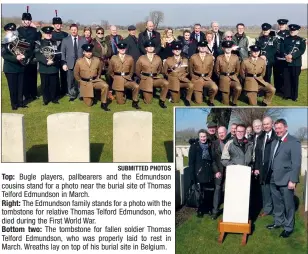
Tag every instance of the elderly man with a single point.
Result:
(241, 41)
(149, 35)
(212, 129)
(218, 168)
(257, 130)
(132, 43)
(232, 132)
(218, 35)
(114, 39)
(197, 35)
(283, 172)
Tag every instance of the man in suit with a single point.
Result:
(114, 39)
(218, 35)
(218, 168)
(87, 72)
(262, 153)
(197, 35)
(284, 169)
(149, 35)
(71, 49)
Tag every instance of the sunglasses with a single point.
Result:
(99, 33)
(228, 36)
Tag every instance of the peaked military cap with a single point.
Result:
(227, 44)
(56, 19)
(47, 29)
(282, 21)
(176, 45)
(202, 43)
(254, 48)
(212, 125)
(130, 28)
(10, 27)
(266, 26)
(87, 47)
(122, 45)
(149, 44)
(294, 27)
(26, 15)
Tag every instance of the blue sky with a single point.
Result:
(196, 118)
(175, 14)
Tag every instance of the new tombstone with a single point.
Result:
(13, 138)
(236, 203)
(132, 136)
(68, 137)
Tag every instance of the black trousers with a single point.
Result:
(15, 82)
(268, 73)
(206, 197)
(278, 75)
(30, 81)
(62, 87)
(291, 80)
(49, 86)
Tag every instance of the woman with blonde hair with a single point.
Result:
(87, 32)
(209, 36)
(166, 42)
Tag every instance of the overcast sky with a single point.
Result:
(175, 14)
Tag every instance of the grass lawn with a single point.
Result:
(199, 236)
(101, 123)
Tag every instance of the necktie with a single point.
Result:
(197, 37)
(276, 148)
(150, 35)
(266, 138)
(215, 41)
(75, 48)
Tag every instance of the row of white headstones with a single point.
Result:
(68, 137)
(183, 175)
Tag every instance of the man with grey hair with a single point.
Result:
(218, 35)
(114, 39)
(149, 34)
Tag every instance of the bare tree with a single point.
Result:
(302, 133)
(220, 116)
(105, 24)
(140, 26)
(156, 17)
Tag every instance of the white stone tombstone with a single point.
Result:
(13, 138)
(304, 161)
(68, 137)
(132, 136)
(237, 193)
(306, 191)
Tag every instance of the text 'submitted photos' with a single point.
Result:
(116, 208)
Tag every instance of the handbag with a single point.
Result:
(193, 196)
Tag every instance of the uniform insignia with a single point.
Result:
(298, 42)
(270, 43)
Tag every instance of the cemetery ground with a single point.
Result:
(199, 236)
(101, 123)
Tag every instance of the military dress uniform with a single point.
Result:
(58, 36)
(279, 64)
(177, 70)
(227, 68)
(49, 73)
(14, 72)
(252, 72)
(31, 35)
(201, 72)
(149, 72)
(121, 69)
(87, 73)
(295, 46)
(268, 46)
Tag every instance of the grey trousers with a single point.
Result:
(284, 207)
(217, 195)
(72, 85)
(267, 198)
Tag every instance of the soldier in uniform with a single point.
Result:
(227, 68)
(58, 35)
(279, 63)
(148, 69)
(87, 72)
(48, 67)
(268, 46)
(252, 72)
(31, 35)
(121, 69)
(176, 69)
(293, 48)
(201, 69)
(13, 70)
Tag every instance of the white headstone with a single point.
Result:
(237, 193)
(132, 136)
(304, 161)
(68, 137)
(13, 138)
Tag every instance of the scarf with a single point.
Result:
(103, 44)
(205, 151)
(185, 46)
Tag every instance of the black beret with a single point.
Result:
(26, 16)
(56, 20)
(176, 45)
(227, 44)
(254, 48)
(212, 125)
(202, 43)
(87, 47)
(294, 27)
(282, 21)
(130, 28)
(149, 44)
(266, 26)
(47, 29)
(10, 27)
(122, 45)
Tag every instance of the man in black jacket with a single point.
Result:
(149, 35)
(217, 36)
(197, 35)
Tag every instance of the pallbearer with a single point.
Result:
(148, 69)
(49, 64)
(227, 68)
(121, 69)
(252, 71)
(176, 68)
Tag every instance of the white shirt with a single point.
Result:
(269, 136)
(276, 147)
(150, 33)
(76, 39)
